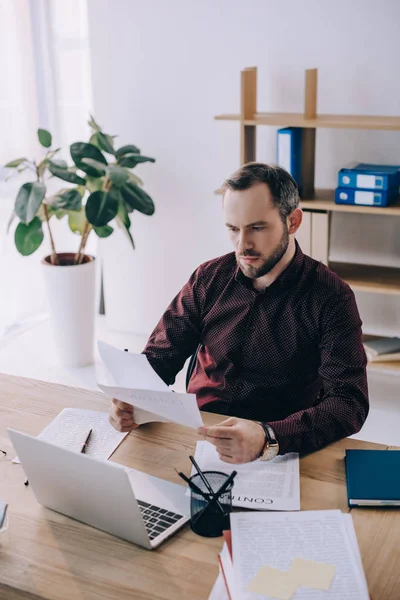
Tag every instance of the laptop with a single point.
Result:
(127, 503)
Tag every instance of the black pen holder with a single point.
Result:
(210, 518)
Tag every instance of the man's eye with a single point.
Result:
(260, 228)
(232, 229)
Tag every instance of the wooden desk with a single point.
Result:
(44, 555)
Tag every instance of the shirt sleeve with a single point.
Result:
(177, 334)
(343, 405)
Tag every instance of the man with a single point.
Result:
(280, 334)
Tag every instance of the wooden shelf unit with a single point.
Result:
(365, 278)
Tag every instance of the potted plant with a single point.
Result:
(99, 188)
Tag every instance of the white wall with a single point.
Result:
(162, 70)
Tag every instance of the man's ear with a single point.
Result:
(294, 220)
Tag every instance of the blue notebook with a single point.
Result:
(373, 477)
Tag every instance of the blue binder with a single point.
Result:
(366, 197)
(289, 142)
(369, 176)
(373, 477)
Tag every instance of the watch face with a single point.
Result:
(270, 452)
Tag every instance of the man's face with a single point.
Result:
(259, 236)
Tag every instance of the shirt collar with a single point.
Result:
(287, 276)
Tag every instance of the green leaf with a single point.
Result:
(96, 165)
(124, 222)
(28, 201)
(118, 175)
(94, 184)
(15, 163)
(105, 142)
(10, 221)
(103, 232)
(129, 149)
(44, 137)
(135, 178)
(131, 160)
(137, 198)
(77, 221)
(80, 150)
(58, 162)
(66, 200)
(92, 123)
(94, 140)
(29, 237)
(65, 174)
(51, 154)
(42, 166)
(101, 207)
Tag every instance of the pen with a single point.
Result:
(205, 481)
(86, 442)
(193, 486)
(217, 494)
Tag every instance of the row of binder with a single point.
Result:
(361, 184)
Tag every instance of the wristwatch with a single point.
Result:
(271, 446)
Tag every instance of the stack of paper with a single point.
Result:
(130, 378)
(293, 556)
(260, 485)
(71, 426)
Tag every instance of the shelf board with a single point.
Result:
(324, 200)
(327, 121)
(368, 278)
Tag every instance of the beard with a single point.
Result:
(269, 262)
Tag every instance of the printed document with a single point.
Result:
(262, 485)
(130, 378)
(324, 539)
(71, 426)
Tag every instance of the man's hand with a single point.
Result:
(237, 440)
(121, 416)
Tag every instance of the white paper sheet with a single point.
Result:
(130, 370)
(132, 380)
(71, 426)
(159, 406)
(218, 591)
(260, 485)
(275, 539)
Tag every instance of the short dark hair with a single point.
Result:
(284, 190)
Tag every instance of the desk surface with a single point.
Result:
(45, 555)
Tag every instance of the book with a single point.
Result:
(369, 176)
(289, 157)
(382, 349)
(366, 197)
(372, 477)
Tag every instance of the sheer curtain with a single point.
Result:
(18, 124)
(44, 82)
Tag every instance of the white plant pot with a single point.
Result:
(71, 296)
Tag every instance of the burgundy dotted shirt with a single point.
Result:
(290, 356)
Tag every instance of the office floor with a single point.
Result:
(30, 352)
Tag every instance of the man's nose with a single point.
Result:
(244, 242)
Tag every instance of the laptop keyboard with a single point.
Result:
(157, 519)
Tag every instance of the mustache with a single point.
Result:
(249, 253)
